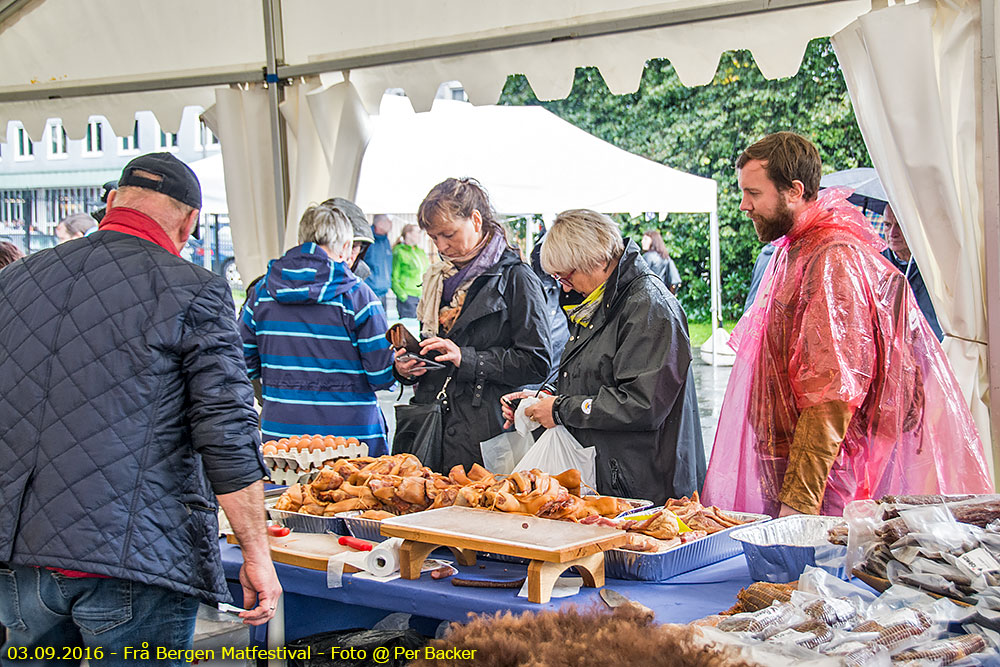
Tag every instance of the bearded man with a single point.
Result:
(840, 390)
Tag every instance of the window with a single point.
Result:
(25, 147)
(206, 138)
(57, 140)
(93, 143)
(130, 144)
(168, 140)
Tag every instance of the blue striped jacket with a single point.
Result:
(315, 336)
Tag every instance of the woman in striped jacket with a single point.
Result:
(315, 336)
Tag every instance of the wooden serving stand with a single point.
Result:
(309, 550)
(551, 546)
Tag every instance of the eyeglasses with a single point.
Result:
(564, 280)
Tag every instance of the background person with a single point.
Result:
(482, 314)
(127, 412)
(840, 390)
(315, 336)
(362, 236)
(379, 258)
(409, 262)
(74, 227)
(898, 253)
(654, 251)
(9, 253)
(625, 382)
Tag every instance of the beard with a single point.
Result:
(773, 227)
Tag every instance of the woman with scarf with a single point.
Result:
(625, 384)
(482, 315)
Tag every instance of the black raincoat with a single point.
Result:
(630, 392)
(503, 333)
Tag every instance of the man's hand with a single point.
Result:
(787, 511)
(261, 589)
(448, 349)
(541, 411)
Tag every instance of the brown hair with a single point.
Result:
(657, 243)
(402, 235)
(457, 198)
(787, 157)
(626, 636)
(8, 253)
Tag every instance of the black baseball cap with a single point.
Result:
(359, 223)
(107, 189)
(177, 180)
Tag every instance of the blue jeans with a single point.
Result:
(407, 307)
(44, 610)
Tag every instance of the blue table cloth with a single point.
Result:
(311, 607)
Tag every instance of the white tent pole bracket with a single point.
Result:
(991, 209)
(275, 48)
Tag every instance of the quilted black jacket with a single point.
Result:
(124, 403)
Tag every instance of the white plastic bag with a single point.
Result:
(557, 451)
(501, 454)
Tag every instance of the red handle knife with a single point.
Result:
(354, 543)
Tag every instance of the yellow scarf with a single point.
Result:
(582, 312)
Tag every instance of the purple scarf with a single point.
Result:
(489, 256)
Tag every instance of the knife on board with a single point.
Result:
(615, 599)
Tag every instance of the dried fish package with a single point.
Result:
(809, 635)
(945, 651)
(833, 612)
(764, 623)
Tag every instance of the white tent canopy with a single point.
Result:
(529, 159)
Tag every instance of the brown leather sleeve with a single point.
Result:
(819, 433)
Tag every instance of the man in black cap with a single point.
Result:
(363, 236)
(106, 190)
(126, 413)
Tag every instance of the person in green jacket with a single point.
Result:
(409, 262)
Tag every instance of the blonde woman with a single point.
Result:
(625, 384)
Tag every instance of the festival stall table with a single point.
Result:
(311, 607)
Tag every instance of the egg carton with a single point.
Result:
(296, 466)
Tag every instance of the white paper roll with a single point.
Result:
(383, 560)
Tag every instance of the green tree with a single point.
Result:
(702, 130)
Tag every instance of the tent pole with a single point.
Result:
(991, 212)
(716, 279)
(275, 47)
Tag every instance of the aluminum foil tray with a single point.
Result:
(304, 523)
(365, 529)
(779, 550)
(635, 565)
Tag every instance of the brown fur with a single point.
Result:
(574, 638)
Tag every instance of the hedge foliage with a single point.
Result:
(702, 130)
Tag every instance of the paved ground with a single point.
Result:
(710, 384)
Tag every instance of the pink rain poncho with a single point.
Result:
(835, 324)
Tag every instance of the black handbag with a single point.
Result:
(419, 429)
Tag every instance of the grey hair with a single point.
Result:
(325, 225)
(581, 239)
(78, 224)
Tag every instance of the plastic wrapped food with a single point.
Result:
(831, 612)
(761, 595)
(855, 654)
(807, 635)
(834, 324)
(761, 624)
(946, 651)
(910, 623)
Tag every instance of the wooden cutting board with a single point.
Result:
(505, 533)
(308, 550)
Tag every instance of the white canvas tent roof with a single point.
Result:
(529, 159)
